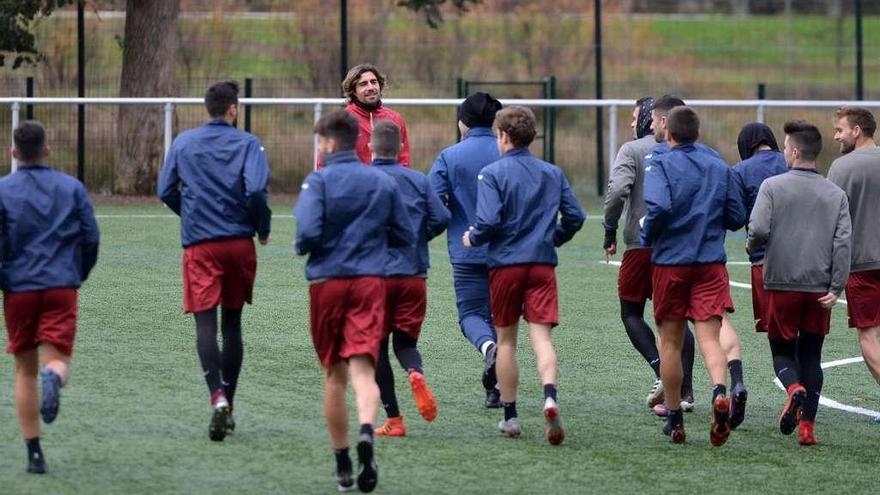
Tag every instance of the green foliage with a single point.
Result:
(431, 8)
(16, 20)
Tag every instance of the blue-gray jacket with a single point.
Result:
(518, 202)
(426, 213)
(454, 178)
(751, 172)
(347, 216)
(48, 232)
(692, 199)
(215, 179)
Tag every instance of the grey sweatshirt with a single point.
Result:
(858, 174)
(626, 189)
(803, 220)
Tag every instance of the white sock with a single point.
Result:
(485, 347)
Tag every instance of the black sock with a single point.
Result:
(717, 390)
(385, 380)
(550, 391)
(366, 434)
(675, 417)
(33, 447)
(206, 345)
(809, 349)
(785, 361)
(736, 372)
(509, 410)
(343, 460)
(687, 364)
(639, 333)
(233, 350)
(405, 349)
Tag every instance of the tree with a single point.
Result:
(431, 8)
(148, 65)
(16, 19)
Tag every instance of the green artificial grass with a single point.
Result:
(134, 417)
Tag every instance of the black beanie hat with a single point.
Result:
(478, 110)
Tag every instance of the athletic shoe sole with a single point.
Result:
(51, 395)
(791, 413)
(738, 408)
(489, 376)
(368, 475)
(720, 421)
(655, 398)
(509, 432)
(677, 435)
(425, 401)
(555, 433)
(344, 483)
(217, 429)
(36, 467)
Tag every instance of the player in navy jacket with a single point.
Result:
(761, 159)
(692, 198)
(347, 216)
(729, 338)
(215, 179)
(454, 178)
(49, 246)
(406, 290)
(518, 204)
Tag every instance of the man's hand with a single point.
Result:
(466, 238)
(610, 244)
(828, 300)
(265, 241)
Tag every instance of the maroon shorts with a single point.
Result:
(863, 299)
(694, 292)
(759, 298)
(40, 316)
(406, 299)
(347, 318)
(523, 290)
(634, 279)
(218, 273)
(789, 312)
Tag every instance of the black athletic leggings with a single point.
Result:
(644, 341)
(800, 361)
(221, 368)
(409, 358)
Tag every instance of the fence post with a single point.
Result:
(248, 93)
(169, 126)
(762, 94)
(29, 92)
(16, 108)
(612, 134)
(318, 109)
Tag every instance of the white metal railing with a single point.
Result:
(317, 104)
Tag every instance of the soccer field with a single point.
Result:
(134, 417)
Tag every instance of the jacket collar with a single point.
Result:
(219, 121)
(354, 108)
(384, 161)
(340, 157)
(518, 152)
(478, 131)
(33, 166)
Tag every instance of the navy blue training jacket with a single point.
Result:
(215, 179)
(751, 172)
(347, 216)
(518, 202)
(454, 178)
(48, 232)
(692, 199)
(426, 213)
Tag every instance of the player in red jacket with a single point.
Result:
(363, 86)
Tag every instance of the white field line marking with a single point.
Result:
(825, 401)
